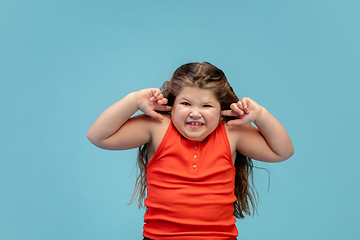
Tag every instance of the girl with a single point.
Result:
(193, 137)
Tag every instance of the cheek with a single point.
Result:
(214, 116)
(218, 117)
(177, 113)
(172, 112)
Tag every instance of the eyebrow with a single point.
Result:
(183, 98)
(205, 102)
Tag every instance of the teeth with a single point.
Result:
(192, 123)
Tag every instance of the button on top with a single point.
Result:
(196, 147)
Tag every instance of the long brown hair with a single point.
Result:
(206, 76)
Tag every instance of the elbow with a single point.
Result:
(291, 152)
(99, 142)
(288, 154)
(92, 138)
(89, 137)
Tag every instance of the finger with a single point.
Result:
(162, 101)
(235, 107)
(163, 108)
(229, 113)
(155, 92)
(243, 104)
(246, 103)
(152, 112)
(156, 115)
(159, 97)
(236, 122)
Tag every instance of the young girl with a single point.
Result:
(193, 137)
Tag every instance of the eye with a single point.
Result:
(207, 105)
(185, 103)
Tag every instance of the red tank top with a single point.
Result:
(190, 188)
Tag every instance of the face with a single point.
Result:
(196, 113)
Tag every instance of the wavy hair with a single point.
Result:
(206, 76)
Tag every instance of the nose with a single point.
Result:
(195, 114)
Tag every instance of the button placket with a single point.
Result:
(195, 156)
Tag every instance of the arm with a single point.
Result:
(268, 142)
(115, 129)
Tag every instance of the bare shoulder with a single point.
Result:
(154, 126)
(237, 133)
(135, 132)
(248, 140)
(158, 129)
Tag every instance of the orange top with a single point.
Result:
(190, 188)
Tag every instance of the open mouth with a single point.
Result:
(194, 123)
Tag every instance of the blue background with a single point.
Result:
(63, 62)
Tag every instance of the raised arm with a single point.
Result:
(115, 129)
(268, 142)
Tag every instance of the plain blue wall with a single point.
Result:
(63, 62)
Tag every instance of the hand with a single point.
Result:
(151, 100)
(246, 110)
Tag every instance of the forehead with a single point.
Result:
(195, 93)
